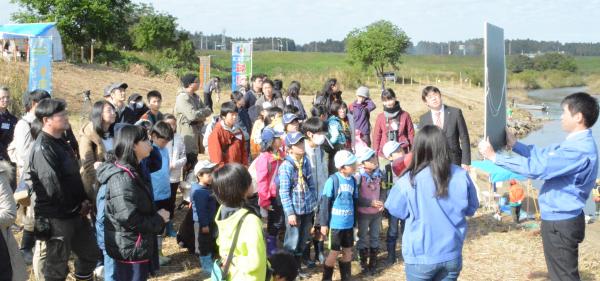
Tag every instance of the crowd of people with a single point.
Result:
(281, 188)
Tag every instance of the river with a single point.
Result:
(551, 132)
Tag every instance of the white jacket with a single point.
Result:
(176, 149)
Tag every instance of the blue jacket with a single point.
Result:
(204, 205)
(569, 170)
(161, 184)
(435, 228)
(100, 203)
(296, 201)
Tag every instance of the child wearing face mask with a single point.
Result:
(315, 129)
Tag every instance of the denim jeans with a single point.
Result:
(444, 271)
(109, 267)
(296, 236)
(393, 230)
(368, 230)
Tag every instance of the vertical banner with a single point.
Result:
(204, 74)
(495, 86)
(40, 63)
(241, 65)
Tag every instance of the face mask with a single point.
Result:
(139, 104)
(318, 139)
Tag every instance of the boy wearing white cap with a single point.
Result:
(361, 110)
(336, 214)
(370, 208)
(204, 207)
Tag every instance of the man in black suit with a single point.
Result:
(451, 121)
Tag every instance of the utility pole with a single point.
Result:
(272, 44)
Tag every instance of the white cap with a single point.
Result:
(364, 153)
(344, 158)
(389, 148)
(204, 164)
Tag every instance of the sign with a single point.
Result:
(241, 65)
(40, 63)
(495, 86)
(204, 74)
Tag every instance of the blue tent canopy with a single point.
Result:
(497, 173)
(28, 30)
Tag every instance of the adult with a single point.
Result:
(278, 88)
(153, 115)
(269, 96)
(251, 95)
(393, 124)
(569, 171)
(330, 93)
(96, 138)
(7, 123)
(340, 131)
(136, 103)
(12, 264)
(19, 150)
(293, 98)
(118, 95)
(226, 143)
(61, 206)
(434, 197)
(131, 220)
(451, 121)
(361, 110)
(191, 113)
(211, 86)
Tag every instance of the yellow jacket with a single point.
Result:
(250, 255)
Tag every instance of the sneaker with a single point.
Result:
(99, 273)
(27, 256)
(171, 233)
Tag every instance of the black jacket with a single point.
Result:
(130, 219)
(455, 129)
(54, 171)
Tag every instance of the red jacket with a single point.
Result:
(406, 131)
(224, 147)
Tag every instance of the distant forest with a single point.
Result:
(471, 47)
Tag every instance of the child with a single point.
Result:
(257, 128)
(284, 267)
(291, 123)
(177, 160)
(161, 134)
(232, 186)
(370, 207)
(315, 130)
(267, 164)
(516, 196)
(154, 101)
(394, 153)
(341, 130)
(337, 212)
(361, 110)
(298, 195)
(204, 207)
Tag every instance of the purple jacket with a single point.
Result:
(362, 113)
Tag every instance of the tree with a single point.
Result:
(377, 45)
(555, 61)
(79, 21)
(154, 31)
(520, 63)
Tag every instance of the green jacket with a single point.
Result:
(191, 113)
(250, 254)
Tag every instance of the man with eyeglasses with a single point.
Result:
(7, 123)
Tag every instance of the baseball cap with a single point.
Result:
(114, 86)
(389, 148)
(364, 153)
(362, 91)
(204, 164)
(268, 134)
(293, 138)
(344, 158)
(289, 118)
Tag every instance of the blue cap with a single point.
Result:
(293, 138)
(289, 118)
(268, 134)
(364, 153)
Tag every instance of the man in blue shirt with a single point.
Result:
(569, 170)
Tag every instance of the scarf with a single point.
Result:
(392, 112)
(375, 174)
(299, 163)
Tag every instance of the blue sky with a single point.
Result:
(431, 20)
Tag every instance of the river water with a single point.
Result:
(551, 132)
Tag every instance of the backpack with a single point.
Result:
(208, 129)
(336, 187)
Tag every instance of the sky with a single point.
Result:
(422, 20)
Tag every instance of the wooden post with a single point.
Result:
(92, 51)
(81, 48)
(411, 81)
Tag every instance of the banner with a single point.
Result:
(241, 65)
(495, 86)
(204, 74)
(40, 63)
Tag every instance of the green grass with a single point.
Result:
(588, 65)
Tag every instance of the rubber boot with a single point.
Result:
(327, 273)
(373, 260)
(363, 255)
(271, 245)
(301, 273)
(169, 230)
(345, 270)
(162, 260)
(308, 261)
(391, 249)
(319, 247)
(206, 262)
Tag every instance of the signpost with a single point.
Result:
(40, 63)
(241, 65)
(495, 86)
(204, 71)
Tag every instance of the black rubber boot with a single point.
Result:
(363, 254)
(391, 249)
(301, 273)
(373, 260)
(327, 273)
(319, 248)
(306, 257)
(345, 270)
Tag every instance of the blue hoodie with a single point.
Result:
(435, 228)
(161, 184)
(569, 170)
